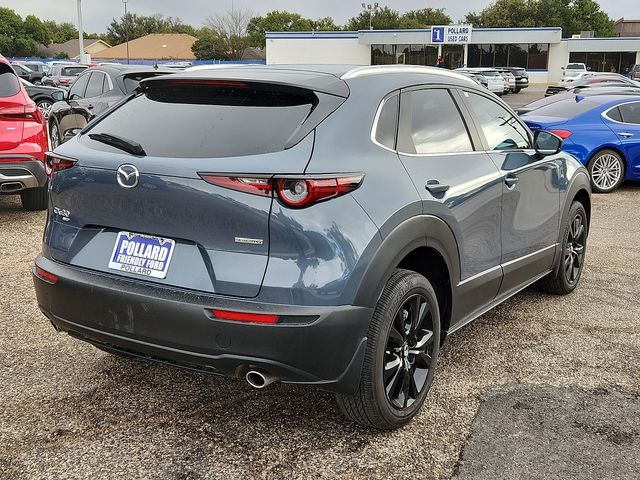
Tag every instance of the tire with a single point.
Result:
(567, 272)
(408, 349)
(44, 105)
(606, 171)
(518, 90)
(54, 135)
(35, 198)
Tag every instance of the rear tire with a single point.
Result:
(35, 198)
(55, 138)
(401, 355)
(606, 171)
(565, 277)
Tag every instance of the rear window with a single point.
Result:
(9, 84)
(490, 73)
(198, 119)
(569, 108)
(72, 71)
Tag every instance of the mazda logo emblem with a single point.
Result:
(128, 176)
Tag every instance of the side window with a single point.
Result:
(501, 129)
(614, 114)
(430, 122)
(94, 88)
(630, 112)
(78, 87)
(388, 122)
(105, 84)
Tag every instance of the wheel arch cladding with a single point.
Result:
(424, 244)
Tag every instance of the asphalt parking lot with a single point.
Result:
(540, 387)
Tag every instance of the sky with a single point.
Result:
(97, 14)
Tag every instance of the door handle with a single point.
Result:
(434, 186)
(625, 134)
(511, 180)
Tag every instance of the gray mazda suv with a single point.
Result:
(321, 225)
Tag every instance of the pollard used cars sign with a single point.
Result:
(451, 34)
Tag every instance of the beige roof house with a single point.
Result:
(156, 46)
(72, 48)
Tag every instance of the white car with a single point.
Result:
(571, 72)
(495, 81)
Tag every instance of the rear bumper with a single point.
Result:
(322, 346)
(522, 83)
(27, 172)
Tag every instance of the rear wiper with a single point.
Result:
(120, 143)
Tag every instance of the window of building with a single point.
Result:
(431, 124)
(517, 55)
(616, 62)
(402, 54)
(382, 54)
(538, 54)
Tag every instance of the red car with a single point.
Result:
(23, 142)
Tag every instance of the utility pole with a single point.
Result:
(126, 28)
(372, 9)
(80, 33)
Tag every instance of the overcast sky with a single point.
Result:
(98, 13)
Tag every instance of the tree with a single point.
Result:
(61, 55)
(35, 29)
(132, 26)
(61, 32)
(383, 19)
(572, 15)
(232, 28)
(424, 18)
(209, 46)
(324, 24)
(277, 21)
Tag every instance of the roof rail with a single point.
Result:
(384, 69)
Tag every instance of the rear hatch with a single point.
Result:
(245, 130)
(12, 109)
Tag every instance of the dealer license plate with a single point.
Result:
(142, 254)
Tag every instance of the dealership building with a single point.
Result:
(542, 51)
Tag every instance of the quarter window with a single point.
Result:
(94, 88)
(630, 112)
(501, 129)
(388, 123)
(431, 123)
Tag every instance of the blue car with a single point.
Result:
(603, 132)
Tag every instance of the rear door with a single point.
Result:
(624, 120)
(210, 148)
(531, 192)
(458, 183)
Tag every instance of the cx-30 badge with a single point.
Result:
(128, 176)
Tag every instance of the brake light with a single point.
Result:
(55, 163)
(22, 113)
(245, 317)
(46, 276)
(208, 83)
(294, 192)
(563, 134)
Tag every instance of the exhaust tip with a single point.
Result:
(258, 379)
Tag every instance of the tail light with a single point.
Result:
(245, 317)
(563, 134)
(22, 113)
(55, 163)
(294, 192)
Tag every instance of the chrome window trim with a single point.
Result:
(605, 113)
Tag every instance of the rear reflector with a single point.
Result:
(245, 317)
(255, 185)
(563, 134)
(46, 276)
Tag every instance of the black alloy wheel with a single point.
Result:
(574, 248)
(409, 351)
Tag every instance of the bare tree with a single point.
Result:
(232, 29)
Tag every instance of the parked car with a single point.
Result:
(522, 77)
(592, 80)
(578, 94)
(23, 143)
(495, 81)
(314, 253)
(478, 78)
(93, 92)
(572, 70)
(63, 75)
(26, 73)
(634, 73)
(42, 96)
(41, 67)
(601, 131)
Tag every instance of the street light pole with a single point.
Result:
(372, 9)
(80, 32)
(126, 28)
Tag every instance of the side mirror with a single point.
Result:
(588, 68)
(58, 96)
(547, 143)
